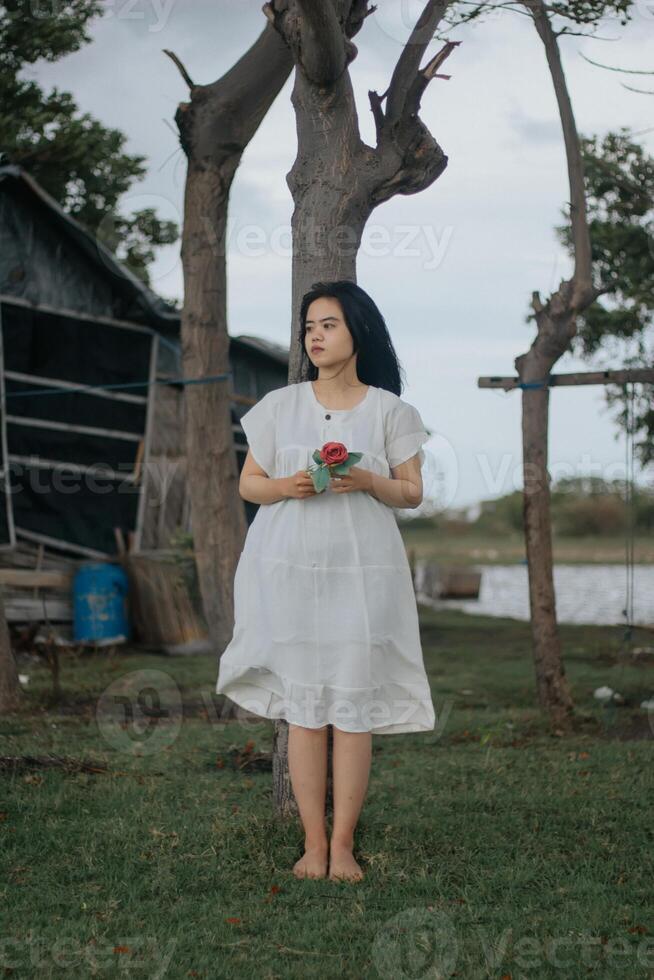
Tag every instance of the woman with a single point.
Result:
(325, 617)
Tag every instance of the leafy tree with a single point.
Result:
(76, 159)
(619, 177)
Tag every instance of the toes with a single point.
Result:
(346, 875)
(303, 872)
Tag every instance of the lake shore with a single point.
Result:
(470, 548)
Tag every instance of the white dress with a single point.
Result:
(325, 615)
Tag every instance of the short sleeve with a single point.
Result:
(405, 433)
(259, 423)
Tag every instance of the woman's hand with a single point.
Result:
(300, 485)
(357, 479)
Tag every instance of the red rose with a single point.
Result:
(333, 453)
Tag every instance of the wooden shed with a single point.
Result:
(91, 418)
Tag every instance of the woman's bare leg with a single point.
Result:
(307, 769)
(352, 755)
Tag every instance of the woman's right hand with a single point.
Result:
(300, 485)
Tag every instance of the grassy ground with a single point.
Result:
(491, 848)
(469, 547)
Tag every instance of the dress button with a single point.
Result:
(327, 416)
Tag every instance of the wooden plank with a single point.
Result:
(86, 430)
(4, 450)
(109, 321)
(644, 375)
(29, 610)
(120, 542)
(33, 379)
(25, 578)
(97, 469)
(145, 462)
(28, 556)
(76, 549)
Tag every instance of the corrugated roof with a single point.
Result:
(269, 347)
(167, 319)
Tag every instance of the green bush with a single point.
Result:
(580, 506)
(592, 515)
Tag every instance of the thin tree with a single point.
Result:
(215, 127)
(337, 180)
(556, 325)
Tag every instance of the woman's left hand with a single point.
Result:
(357, 479)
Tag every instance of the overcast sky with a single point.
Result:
(461, 259)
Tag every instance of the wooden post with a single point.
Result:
(644, 375)
(10, 692)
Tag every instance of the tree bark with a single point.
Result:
(336, 179)
(215, 127)
(556, 326)
(10, 692)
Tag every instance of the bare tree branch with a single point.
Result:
(377, 112)
(183, 72)
(425, 75)
(570, 33)
(582, 279)
(358, 13)
(478, 9)
(639, 91)
(623, 71)
(408, 64)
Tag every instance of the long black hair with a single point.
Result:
(377, 362)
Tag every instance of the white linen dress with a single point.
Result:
(325, 615)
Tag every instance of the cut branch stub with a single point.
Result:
(408, 64)
(404, 95)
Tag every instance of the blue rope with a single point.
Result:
(130, 384)
(534, 384)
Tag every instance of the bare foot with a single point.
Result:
(342, 865)
(313, 863)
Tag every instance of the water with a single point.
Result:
(584, 593)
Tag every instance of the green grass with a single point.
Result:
(490, 846)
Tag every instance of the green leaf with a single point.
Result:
(320, 479)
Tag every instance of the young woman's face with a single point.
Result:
(325, 328)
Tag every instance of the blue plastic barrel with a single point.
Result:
(100, 603)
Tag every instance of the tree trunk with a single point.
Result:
(552, 687)
(556, 326)
(10, 692)
(215, 128)
(218, 519)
